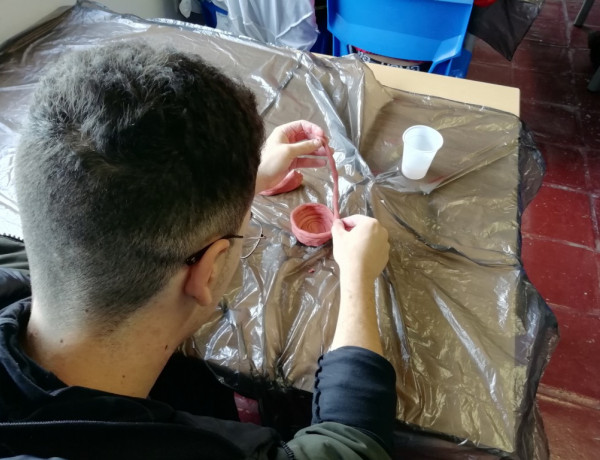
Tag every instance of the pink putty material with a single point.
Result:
(311, 223)
(292, 181)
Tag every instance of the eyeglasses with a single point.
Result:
(250, 242)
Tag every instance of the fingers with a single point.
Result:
(308, 163)
(313, 147)
(304, 147)
(337, 228)
(346, 224)
(360, 247)
(354, 220)
(300, 130)
(362, 224)
(300, 137)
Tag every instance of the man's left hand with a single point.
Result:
(291, 146)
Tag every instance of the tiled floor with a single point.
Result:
(561, 227)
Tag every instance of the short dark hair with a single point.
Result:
(132, 159)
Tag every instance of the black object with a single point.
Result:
(504, 23)
(594, 44)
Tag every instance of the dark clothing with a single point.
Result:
(13, 256)
(14, 271)
(353, 411)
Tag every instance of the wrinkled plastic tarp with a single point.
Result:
(466, 332)
(504, 23)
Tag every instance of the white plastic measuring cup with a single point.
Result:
(421, 143)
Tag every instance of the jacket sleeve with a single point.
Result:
(354, 408)
(334, 441)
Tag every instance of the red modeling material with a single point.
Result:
(292, 181)
(311, 223)
(334, 176)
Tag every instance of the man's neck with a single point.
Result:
(127, 361)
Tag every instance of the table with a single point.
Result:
(499, 97)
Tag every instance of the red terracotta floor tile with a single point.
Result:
(593, 17)
(562, 215)
(542, 58)
(552, 124)
(563, 274)
(545, 87)
(552, 12)
(552, 34)
(485, 54)
(590, 128)
(573, 366)
(581, 62)
(564, 166)
(593, 165)
(550, 26)
(586, 100)
(578, 37)
(573, 7)
(596, 211)
(490, 74)
(572, 429)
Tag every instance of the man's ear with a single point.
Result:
(203, 274)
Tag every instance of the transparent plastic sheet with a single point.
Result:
(504, 23)
(467, 333)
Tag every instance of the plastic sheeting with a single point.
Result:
(466, 332)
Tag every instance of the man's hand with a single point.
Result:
(285, 150)
(360, 247)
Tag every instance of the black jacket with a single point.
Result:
(41, 416)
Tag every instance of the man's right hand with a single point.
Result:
(360, 247)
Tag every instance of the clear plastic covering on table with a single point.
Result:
(466, 332)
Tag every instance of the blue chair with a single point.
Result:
(412, 30)
(209, 12)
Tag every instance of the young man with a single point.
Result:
(135, 176)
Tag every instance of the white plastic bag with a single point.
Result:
(280, 22)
